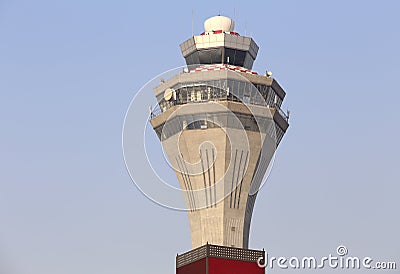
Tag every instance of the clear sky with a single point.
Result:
(68, 70)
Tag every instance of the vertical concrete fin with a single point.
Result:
(241, 181)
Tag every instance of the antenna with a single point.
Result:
(192, 22)
(234, 12)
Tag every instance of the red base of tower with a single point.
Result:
(214, 259)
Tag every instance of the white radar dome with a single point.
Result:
(219, 23)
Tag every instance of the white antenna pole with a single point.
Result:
(234, 12)
(192, 22)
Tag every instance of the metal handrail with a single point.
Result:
(156, 110)
(284, 115)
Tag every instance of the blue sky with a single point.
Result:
(68, 70)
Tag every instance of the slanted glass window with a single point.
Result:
(239, 58)
(248, 61)
(234, 57)
(205, 56)
(193, 58)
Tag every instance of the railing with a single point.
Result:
(156, 110)
(216, 251)
(284, 115)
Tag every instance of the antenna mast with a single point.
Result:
(192, 22)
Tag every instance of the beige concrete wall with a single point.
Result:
(220, 180)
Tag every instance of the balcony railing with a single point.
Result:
(284, 115)
(215, 251)
(156, 110)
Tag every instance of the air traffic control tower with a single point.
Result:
(219, 123)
